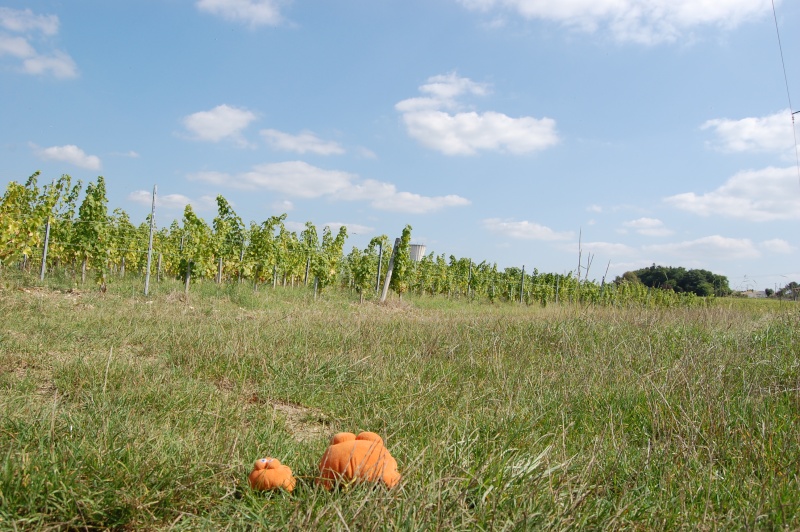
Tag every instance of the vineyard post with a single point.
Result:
(389, 270)
(274, 275)
(556, 290)
(122, 268)
(316, 287)
(219, 271)
(378, 277)
(522, 285)
(44, 251)
(578, 287)
(150, 247)
(241, 264)
(308, 267)
(158, 267)
(188, 276)
(469, 280)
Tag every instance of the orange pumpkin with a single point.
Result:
(362, 458)
(270, 474)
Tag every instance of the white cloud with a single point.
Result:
(466, 132)
(642, 21)
(69, 154)
(24, 21)
(172, 201)
(352, 229)
(755, 195)
(219, 123)
(601, 250)
(18, 47)
(771, 133)
(296, 227)
(415, 203)
(524, 230)
(57, 63)
(251, 12)
(708, 248)
(130, 154)
(648, 227)
(296, 178)
(605, 249)
(777, 245)
(282, 206)
(304, 142)
(302, 180)
(365, 153)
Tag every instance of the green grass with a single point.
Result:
(120, 411)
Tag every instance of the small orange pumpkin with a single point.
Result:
(270, 474)
(362, 458)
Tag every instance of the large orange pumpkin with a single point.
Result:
(362, 458)
(270, 474)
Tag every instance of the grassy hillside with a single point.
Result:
(121, 411)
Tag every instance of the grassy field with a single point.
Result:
(119, 411)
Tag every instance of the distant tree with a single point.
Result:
(699, 282)
(791, 290)
(768, 292)
(627, 277)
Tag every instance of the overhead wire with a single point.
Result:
(788, 92)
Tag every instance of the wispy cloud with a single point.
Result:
(771, 133)
(606, 250)
(25, 20)
(648, 227)
(249, 12)
(755, 195)
(778, 245)
(640, 21)
(524, 230)
(304, 142)
(352, 229)
(70, 154)
(172, 202)
(21, 30)
(301, 180)
(429, 120)
(282, 206)
(130, 154)
(714, 247)
(220, 123)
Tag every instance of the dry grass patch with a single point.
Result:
(303, 423)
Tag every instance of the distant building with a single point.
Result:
(756, 294)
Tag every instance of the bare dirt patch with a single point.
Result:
(304, 423)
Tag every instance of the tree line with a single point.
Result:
(699, 282)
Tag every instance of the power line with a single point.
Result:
(788, 92)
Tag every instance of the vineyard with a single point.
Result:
(511, 400)
(44, 229)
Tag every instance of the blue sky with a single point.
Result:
(501, 130)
